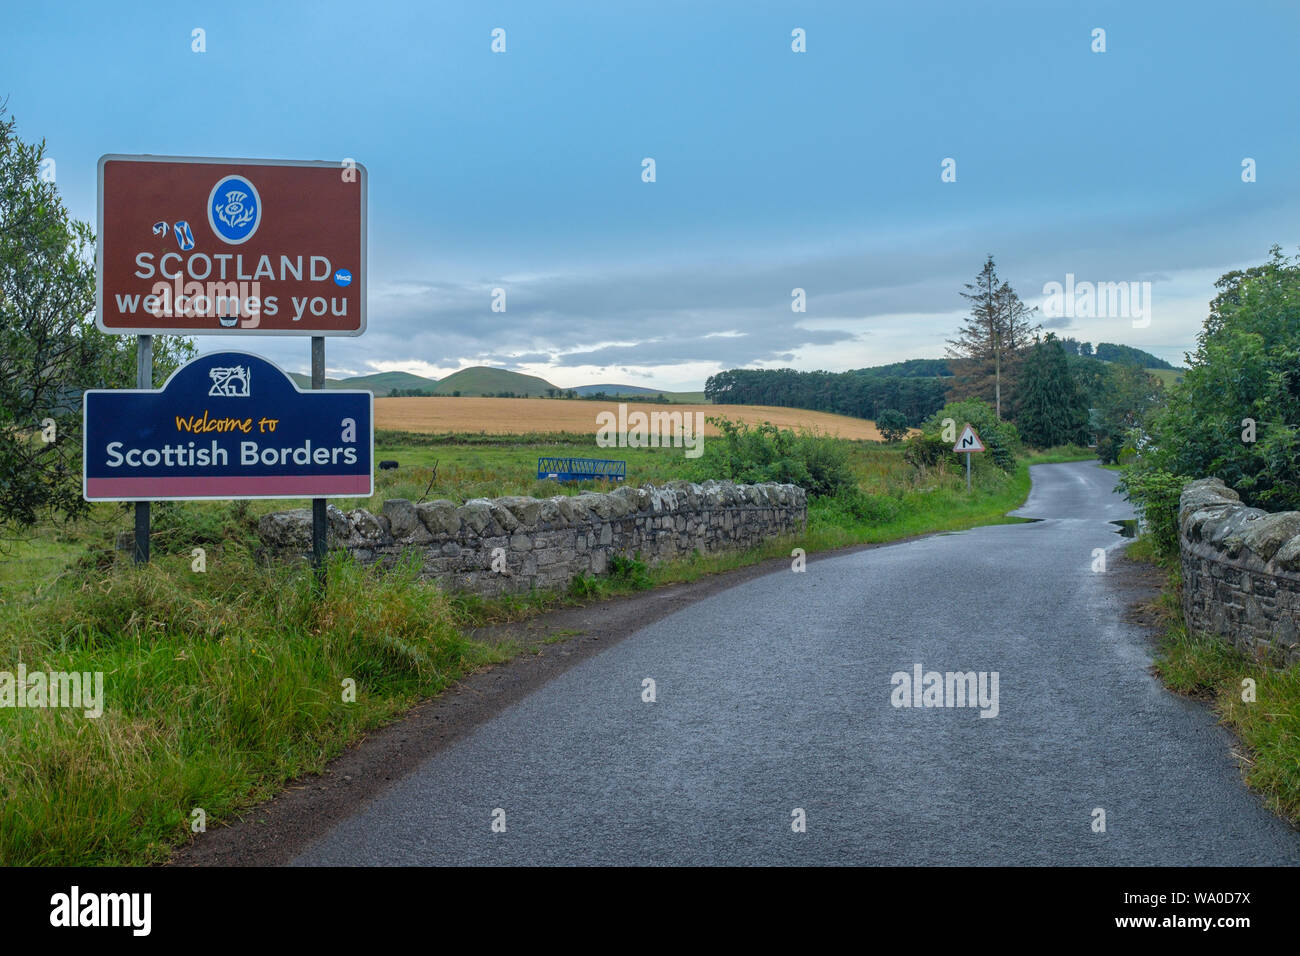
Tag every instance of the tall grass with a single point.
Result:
(220, 687)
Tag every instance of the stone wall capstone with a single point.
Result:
(1241, 571)
(513, 544)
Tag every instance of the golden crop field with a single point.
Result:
(515, 416)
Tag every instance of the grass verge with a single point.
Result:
(1210, 669)
(221, 687)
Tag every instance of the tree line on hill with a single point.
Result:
(1057, 391)
(1110, 352)
(860, 393)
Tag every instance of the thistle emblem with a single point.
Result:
(233, 212)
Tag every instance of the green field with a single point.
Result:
(1169, 377)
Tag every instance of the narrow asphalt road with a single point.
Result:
(777, 695)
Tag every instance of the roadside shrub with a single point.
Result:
(584, 586)
(630, 571)
(1108, 451)
(743, 453)
(926, 451)
(869, 508)
(1154, 493)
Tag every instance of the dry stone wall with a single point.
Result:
(514, 544)
(1241, 571)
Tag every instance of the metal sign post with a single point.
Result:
(318, 515)
(968, 442)
(143, 379)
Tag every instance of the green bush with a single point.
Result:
(1155, 494)
(892, 425)
(630, 571)
(743, 453)
(1000, 438)
(868, 508)
(926, 451)
(1108, 451)
(1246, 367)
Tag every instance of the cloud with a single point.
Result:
(868, 301)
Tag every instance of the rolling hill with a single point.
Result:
(481, 380)
(381, 383)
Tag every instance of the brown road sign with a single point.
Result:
(195, 245)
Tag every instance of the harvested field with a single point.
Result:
(516, 416)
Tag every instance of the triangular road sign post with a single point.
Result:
(968, 441)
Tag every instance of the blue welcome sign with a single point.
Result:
(227, 425)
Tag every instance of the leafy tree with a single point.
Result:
(1127, 397)
(50, 349)
(892, 425)
(1245, 369)
(1051, 408)
(937, 433)
(995, 334)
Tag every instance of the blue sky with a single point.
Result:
(775, 169)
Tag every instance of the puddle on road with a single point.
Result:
(1127, 527)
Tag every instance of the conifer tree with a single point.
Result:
(1052, 409)
(995, 334)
